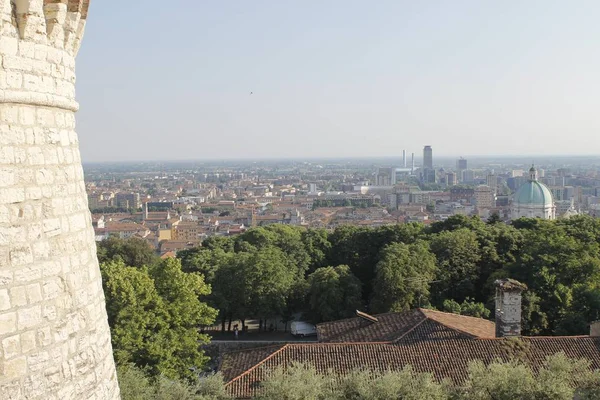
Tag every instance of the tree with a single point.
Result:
(154, 315)
(133, 251)
(268, 280)
(558, 258)
(203, 261)
(390, 385)
(286, 238)
(494, 219)
(560, 378)
(135, 384)
(298, 382)
(334, 293)
(229, 291)
(457, 254)
(219, 242)
(403, 276)
(254, 283)
(317, 245)
(468, 307)
(360, 248)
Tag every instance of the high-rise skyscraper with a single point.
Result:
(461, 164)
(427, 157)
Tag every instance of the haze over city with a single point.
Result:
(338, 79)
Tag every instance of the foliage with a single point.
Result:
(334, 293)
(403, 276)
(458, 257)
(154, 315)
(560, 378)
(135, 384)
(134, 252)
(468, 307)
(266, 272)
(298, 382)
(390, 385)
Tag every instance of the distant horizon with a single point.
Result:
(479, 157)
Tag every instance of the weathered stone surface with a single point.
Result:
(54, 335)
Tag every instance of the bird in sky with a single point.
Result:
(251, 92)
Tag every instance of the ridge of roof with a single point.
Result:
(355, 317)
(258, 364)
(413, 328)
(254, 348)
(430, 314)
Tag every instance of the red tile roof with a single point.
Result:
(395, 326)
(445, 359)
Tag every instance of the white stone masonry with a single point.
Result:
(54, 335)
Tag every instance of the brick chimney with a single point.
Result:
(595, 329)
(508, 307)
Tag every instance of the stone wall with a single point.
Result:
(54, 335)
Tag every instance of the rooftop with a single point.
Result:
(418, 323)
(447, 359)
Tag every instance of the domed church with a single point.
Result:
(533, 200)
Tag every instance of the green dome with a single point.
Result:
(533, 193)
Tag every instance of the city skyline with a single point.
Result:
(338, 79)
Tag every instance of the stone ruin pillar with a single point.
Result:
(54, 336)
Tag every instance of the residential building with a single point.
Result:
(484, 197)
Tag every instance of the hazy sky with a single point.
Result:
(166, 80)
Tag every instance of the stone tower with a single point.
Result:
(508, 307)
(54, 335)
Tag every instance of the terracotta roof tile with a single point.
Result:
(445, 359)
(237, 362)
(394, 326)
(477, 327)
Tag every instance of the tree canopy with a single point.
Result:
(155, 315)
(157, 307)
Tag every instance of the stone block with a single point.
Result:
(29, 317)
(28, 274)
(38, 361)
(5, 302)
(11, 346)
(14, 368)
(34, 293)
(28, 341)
(18, 295)
(41, 240)
(9, 46)
(21, 256)
(14, 80)
(8, 323)
(6, 277)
